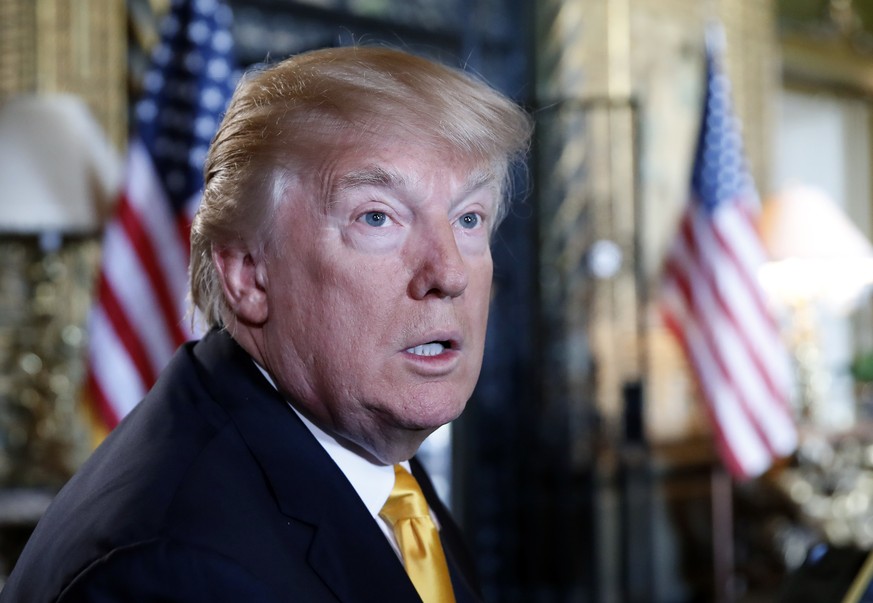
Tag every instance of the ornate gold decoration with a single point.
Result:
(43, 307)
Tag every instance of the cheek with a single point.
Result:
(352, 309)
(481, 282)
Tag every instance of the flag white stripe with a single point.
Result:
(743, 425)
(730, 351)
(730, 418)
(769, 413)
(725, 396)
(747, 246)
(111, 366)
(131, 286)
(744, 311)
(762, 329)
(773, 417)
(152, 207)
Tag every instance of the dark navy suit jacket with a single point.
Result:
(212, 489)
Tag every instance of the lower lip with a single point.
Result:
(434, 365)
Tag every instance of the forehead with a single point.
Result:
(403, 165)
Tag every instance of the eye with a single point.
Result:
(470, 220)
(375, 218)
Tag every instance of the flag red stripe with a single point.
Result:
(147, 255)
(726, 451)
(749, 217)
(691, 302)
(753, 288)
(125, 331)
(750, 291)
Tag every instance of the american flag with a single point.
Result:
(140, 315)
(714, 304)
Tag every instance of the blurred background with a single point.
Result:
(676, 403)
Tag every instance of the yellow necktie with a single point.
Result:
(418, 539)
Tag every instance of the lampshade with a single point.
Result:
(58, 172)
(817, 253)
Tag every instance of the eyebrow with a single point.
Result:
(379, 176)
(370, 176)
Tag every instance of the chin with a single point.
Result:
(432, 418)
(399, 429)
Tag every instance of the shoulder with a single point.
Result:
(188, 467)
(159, 463)
(164, 570)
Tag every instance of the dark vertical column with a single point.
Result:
(636, 488)
(493, 438)
(560, 513)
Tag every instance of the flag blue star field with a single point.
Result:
(713, 303)
(140, 315)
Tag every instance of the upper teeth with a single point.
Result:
(427, 349)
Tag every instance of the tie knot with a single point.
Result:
(406, 499)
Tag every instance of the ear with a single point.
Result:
(244, 282)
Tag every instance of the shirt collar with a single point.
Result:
(372, 482)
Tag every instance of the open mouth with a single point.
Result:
(434, 348)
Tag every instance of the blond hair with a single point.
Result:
(280, 118)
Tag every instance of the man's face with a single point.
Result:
(378, 299)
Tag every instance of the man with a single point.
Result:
(341, 258)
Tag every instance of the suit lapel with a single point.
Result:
(348, 550)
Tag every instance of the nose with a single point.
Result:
(439, 268)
